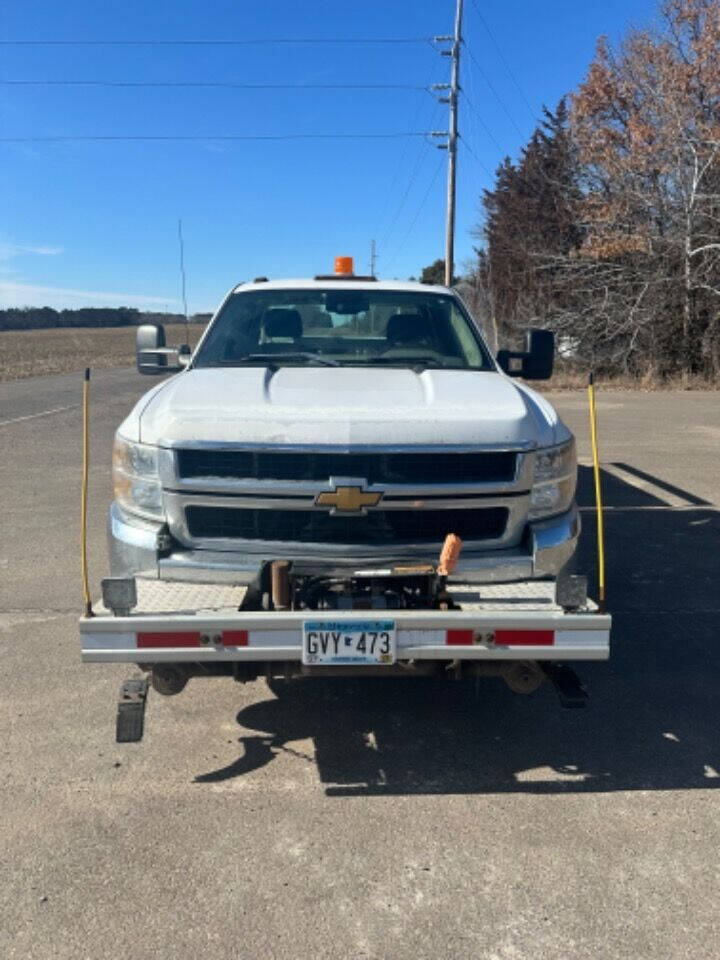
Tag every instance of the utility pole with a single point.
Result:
(373, 258)
(182, 274)
(452, 146)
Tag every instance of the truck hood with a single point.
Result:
(342, 406)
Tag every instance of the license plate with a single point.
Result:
(353, 642)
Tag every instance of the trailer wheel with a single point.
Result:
(523, 676)
(168, 678)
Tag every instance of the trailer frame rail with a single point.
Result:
(495, 622)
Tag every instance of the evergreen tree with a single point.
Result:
(530, 216)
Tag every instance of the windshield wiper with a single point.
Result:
(273, 358)
(410, 361)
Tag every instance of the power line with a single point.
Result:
(390, 191)
(502, 58)
(212, 43)
(476, 121)
(419, 160)
(485, 127)
(494, 92)
(476, 158)
(220, 83)
(411, 180)
(473, 116)
(417, 215)
(209, 136)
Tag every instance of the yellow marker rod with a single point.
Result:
(598, 494)
(84, 497)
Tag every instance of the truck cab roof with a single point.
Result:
(349, 283)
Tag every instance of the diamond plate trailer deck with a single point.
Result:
(182, 623)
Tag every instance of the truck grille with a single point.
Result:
(383, 468)
(382, 527)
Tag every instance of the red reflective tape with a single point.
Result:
(459, 638)
(184, 639)
(524, 638)
(235, 638)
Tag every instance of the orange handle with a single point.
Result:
(449, 555)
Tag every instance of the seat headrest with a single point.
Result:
(409, 328)
(283, 322)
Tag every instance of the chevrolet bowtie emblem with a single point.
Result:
(350, 499)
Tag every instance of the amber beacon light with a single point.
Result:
(344, 266)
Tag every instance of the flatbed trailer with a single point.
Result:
(175, 631)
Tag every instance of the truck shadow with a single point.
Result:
(653, 721)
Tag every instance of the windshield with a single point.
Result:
(343, 327)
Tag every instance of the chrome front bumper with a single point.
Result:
(133, 546)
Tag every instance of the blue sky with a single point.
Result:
(95, 223)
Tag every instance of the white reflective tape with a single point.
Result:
(275, 638)
(109, 641)
(581, 638)
(421, 638)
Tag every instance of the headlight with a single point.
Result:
(554, 480)
(136, 483)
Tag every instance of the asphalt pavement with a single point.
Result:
(392, 819)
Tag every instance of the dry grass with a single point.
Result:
(575, 380)
(32, 353)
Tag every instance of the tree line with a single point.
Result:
(607, 227)
(43, 318)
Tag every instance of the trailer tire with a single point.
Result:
(523, 676)
(168, 679)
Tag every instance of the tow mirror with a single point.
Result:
(153, 356)
(533, 363)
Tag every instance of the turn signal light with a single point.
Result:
(344, 266)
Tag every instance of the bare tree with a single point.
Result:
(647, 126)
(608, 226)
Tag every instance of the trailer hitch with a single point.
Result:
(568, 686)
(130, 722)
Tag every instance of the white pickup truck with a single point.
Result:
(282, 502)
